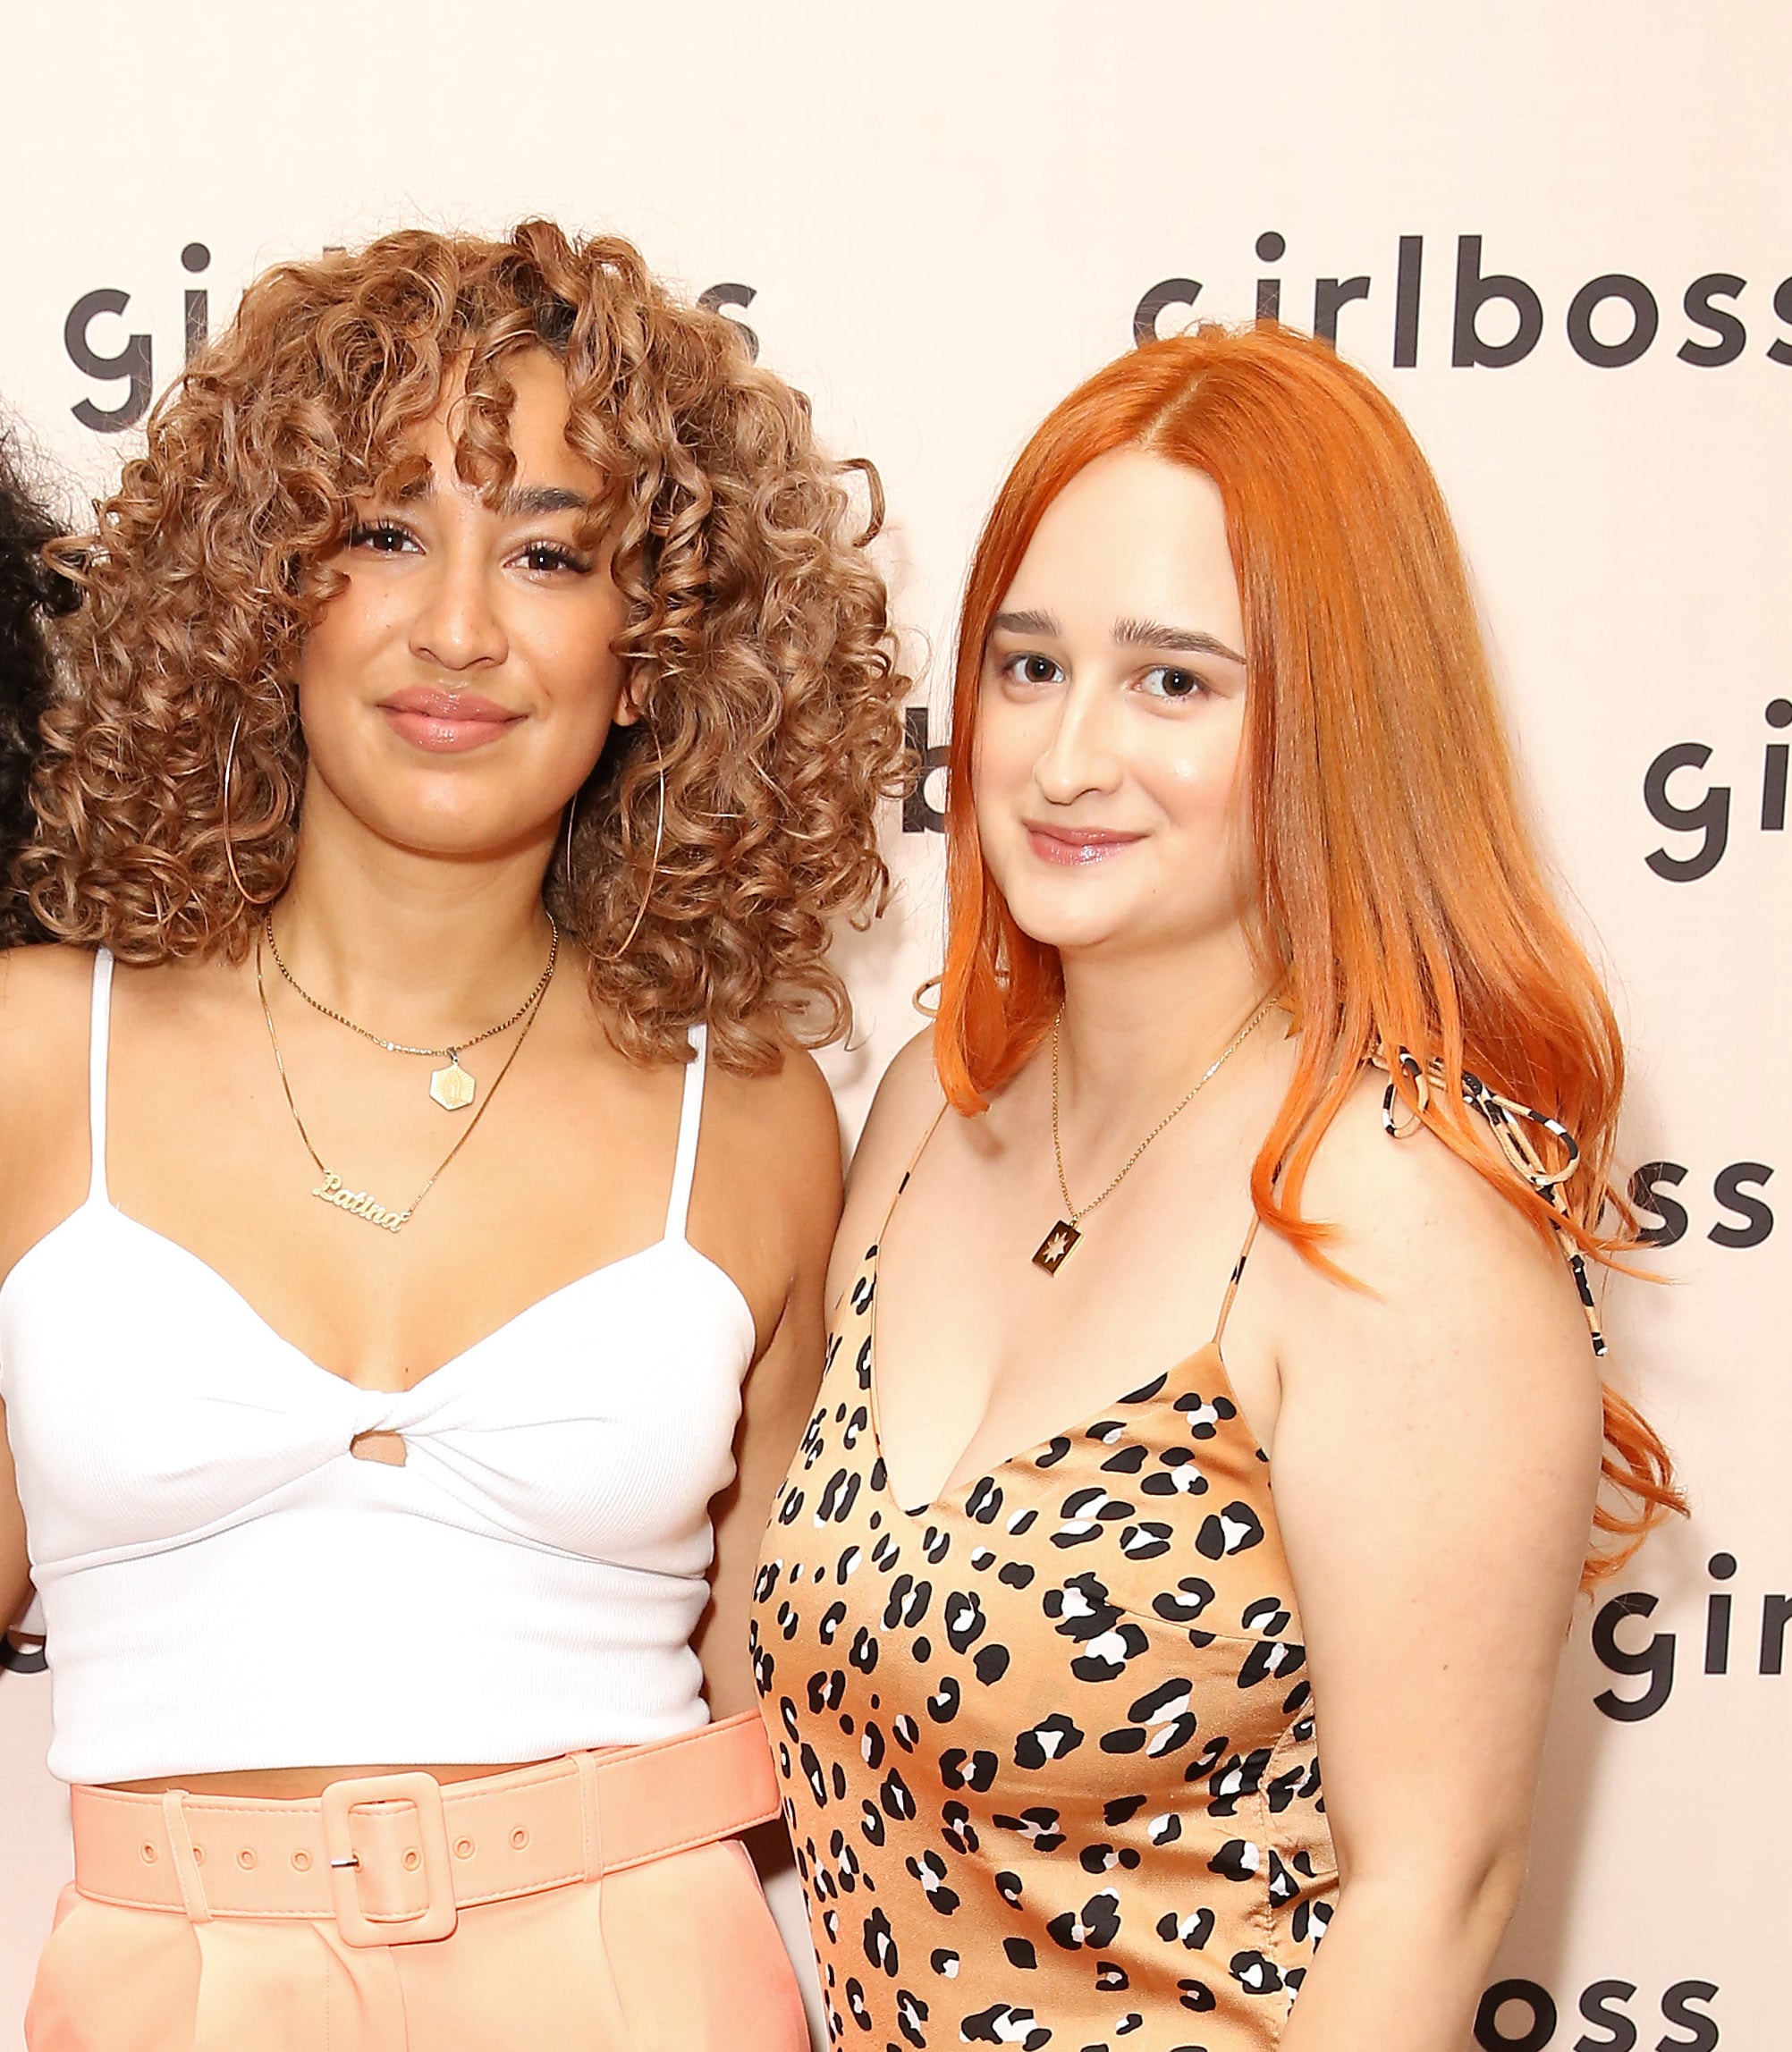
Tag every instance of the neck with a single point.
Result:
(421, 946)
(1137, 1032)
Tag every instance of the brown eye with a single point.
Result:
(381, 537)
(1032, 668)
(547, 557)
(1175, 685)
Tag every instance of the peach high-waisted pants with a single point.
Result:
(600, 1902)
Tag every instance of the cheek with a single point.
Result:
(335, 653)
(574, 665)
(1008, 746)
(1193, 772)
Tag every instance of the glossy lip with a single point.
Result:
(1076, 847)
(446, 722)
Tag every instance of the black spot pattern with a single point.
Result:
(1059, 1721)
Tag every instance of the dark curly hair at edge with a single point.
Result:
(30, 593)
(757, 637)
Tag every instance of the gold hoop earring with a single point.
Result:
(229, 849)
(659, 841)
(615, 955)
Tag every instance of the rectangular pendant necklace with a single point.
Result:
(1055, 1250)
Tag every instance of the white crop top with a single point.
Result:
(226, 1586)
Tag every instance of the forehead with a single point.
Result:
(1134, 535)
(536, 431)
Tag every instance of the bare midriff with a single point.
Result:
(299, 1784)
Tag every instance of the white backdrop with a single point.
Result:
(936, 218)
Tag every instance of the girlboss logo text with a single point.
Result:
(1499, 318)
(1675, 799)
(1743, 1633)
(1520, 2015)
(91, 340)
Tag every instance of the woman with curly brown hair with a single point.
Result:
(479, 706)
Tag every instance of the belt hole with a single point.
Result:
(413, 1859)
(147, 1852)
(518, 1839)
(302, 1860)
(198, 1855)
(463, 1848)
(245, 1858)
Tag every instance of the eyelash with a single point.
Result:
(370, 531)
(562, 558)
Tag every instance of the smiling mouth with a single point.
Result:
(446, 722)
(1076, 847)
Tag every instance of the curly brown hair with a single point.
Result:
(756, 641)
(31, 595)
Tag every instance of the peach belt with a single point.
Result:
(393, 1858)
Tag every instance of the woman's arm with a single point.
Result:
(782, 1166)
(15, 1567)
(1435, 1461)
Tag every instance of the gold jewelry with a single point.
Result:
(616, 954)
(647, 890)
(230, 850)
(359, 1203)
(1055, 1250)
(451, 1087)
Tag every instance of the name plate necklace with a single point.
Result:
(361, 1203)
(1055, 1249)
(451, 1087)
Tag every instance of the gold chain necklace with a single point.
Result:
(451, 1087)
(359, 1203)
(1055, 1250)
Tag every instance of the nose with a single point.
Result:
(1079, 756)
(458, 625)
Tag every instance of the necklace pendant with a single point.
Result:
(358, 1204)
(451, 1087)
(1055, 1249)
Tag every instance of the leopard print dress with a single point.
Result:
(1046, 1744)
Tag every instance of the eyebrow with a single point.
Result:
(519, 501)
(1128, 634)
(1189, 640)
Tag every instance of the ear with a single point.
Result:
(627, 713)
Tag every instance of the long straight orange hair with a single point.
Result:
(1400, 897)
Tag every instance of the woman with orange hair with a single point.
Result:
(1246, 932)
(417, 1194)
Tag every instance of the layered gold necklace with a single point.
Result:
(451, 1087)
(1055, 1249)
(333, 1190)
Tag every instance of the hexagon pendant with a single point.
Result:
(451, 1087)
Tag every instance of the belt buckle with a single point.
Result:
(438, 1916)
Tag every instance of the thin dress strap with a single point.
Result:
(100, 1041)
(690, 1124)
(1238, 1276)
(932, 1127)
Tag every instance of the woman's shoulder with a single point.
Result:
(46, 992)
(907, 1098)
(779, 1130)
(1415, 1223)
(46, 995)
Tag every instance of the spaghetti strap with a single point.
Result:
(100, 1041)
(932, 1126)
(690, 1124)
(1238, 1276)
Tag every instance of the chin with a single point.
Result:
(1048, 916)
